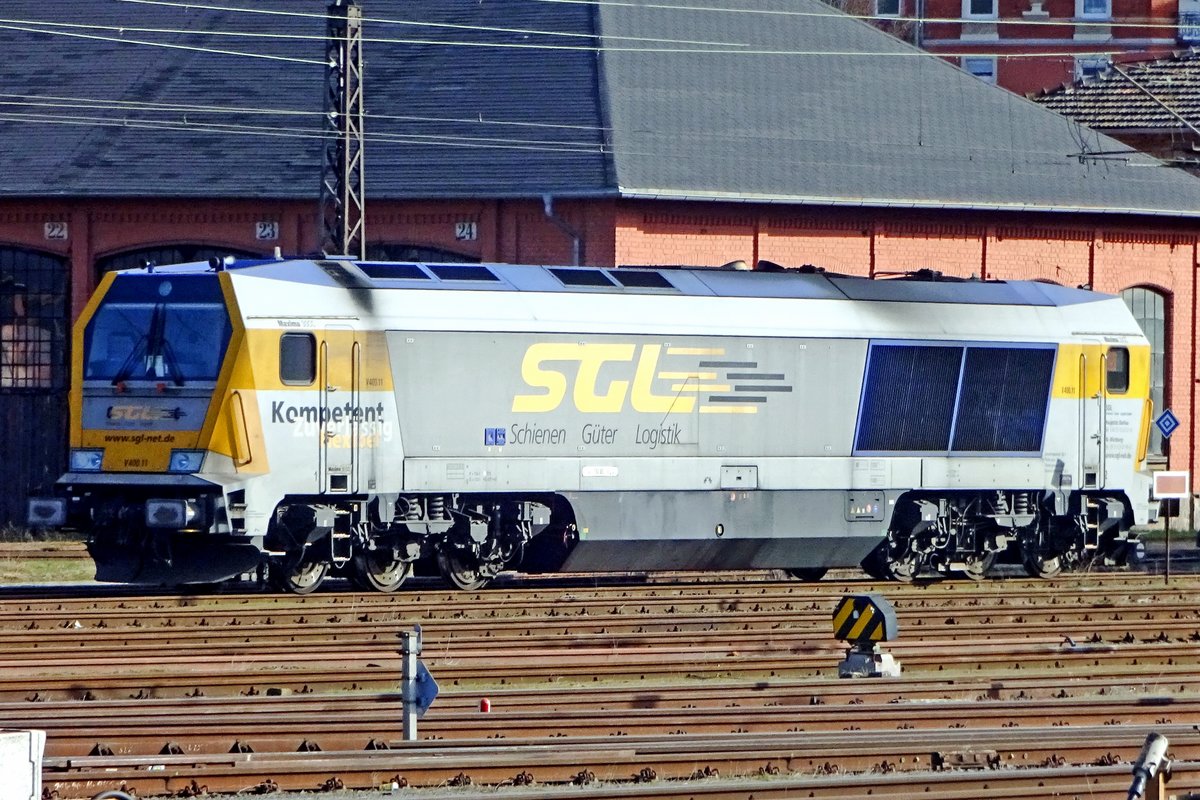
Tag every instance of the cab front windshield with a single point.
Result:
(168, 330)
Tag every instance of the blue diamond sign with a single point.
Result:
(1167, 423)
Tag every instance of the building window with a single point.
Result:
(980, 9)
(1093, 9)
(1150, 310)
(982, 68)
(1088, 68)
(889, 8)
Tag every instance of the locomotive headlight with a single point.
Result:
(185, 461)
(46, 512)
(86, 460)
(176, 514)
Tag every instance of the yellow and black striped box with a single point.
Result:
(865, 618)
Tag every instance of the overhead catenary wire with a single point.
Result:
(592, 149)
(301, 133)
(440, 139)
(129, 106)
(1072, 22)
(596, 49)
(59, 101)
(321, 37)
(168, 45)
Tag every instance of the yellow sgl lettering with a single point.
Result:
(553, 381)
(592, 357)
(644, 398)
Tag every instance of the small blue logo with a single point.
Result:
(493, 437)
(1167, 423)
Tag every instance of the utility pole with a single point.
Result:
(343, 202)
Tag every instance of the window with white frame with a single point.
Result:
(1150, 310)
(981, 67)
(1088, 68)
(981, 9)
(1093, 9)
(889, 8)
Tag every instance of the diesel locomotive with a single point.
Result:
(332, 416)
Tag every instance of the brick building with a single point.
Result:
(1028, 46)
(547, 132)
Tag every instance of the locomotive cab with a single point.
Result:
(149, 354)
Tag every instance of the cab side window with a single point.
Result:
(1116, 363)
(297, 359)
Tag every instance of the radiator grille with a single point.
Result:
(908, 403)
(1003, 403)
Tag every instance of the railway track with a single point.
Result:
(56, 550)
(638, 687)
(999, 754)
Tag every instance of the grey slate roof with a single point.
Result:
(1112, 101)
(646, 117)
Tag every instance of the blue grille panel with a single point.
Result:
(1005, 392)
(908, 403)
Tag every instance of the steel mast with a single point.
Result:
(343, 201)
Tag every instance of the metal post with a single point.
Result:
(1167, 541)
(343, 198)
(410, 648)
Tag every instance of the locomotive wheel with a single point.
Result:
(807, 574)
(1043, 566)
(904, 569)
(301, 578)
(884, 565)
(976, 565)
(379, 570)
(461, 571)
(893, 561)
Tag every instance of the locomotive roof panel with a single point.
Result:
(919, 287)
(524, 298)
(795, 105)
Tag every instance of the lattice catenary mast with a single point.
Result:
(343, 202)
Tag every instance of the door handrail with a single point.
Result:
(239, 426)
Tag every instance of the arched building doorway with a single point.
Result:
(1149, 308)
(34, 339)
(166, 254)
(415, 252)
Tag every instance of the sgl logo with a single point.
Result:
(632, 379)
(144, 413)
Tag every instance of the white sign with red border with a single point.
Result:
(1172, 485)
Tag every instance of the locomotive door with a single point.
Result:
(1091, 415)
(338, 438)
(1095, 414)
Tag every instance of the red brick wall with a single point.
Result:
(955, 249)
(837, 245)
(1024, 253)
(678, 234)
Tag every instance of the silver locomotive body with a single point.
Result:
(490, 417)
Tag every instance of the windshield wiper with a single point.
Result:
(155, 349)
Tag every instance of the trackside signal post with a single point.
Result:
(1170, 488)
(417, 686)
(864, 620)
